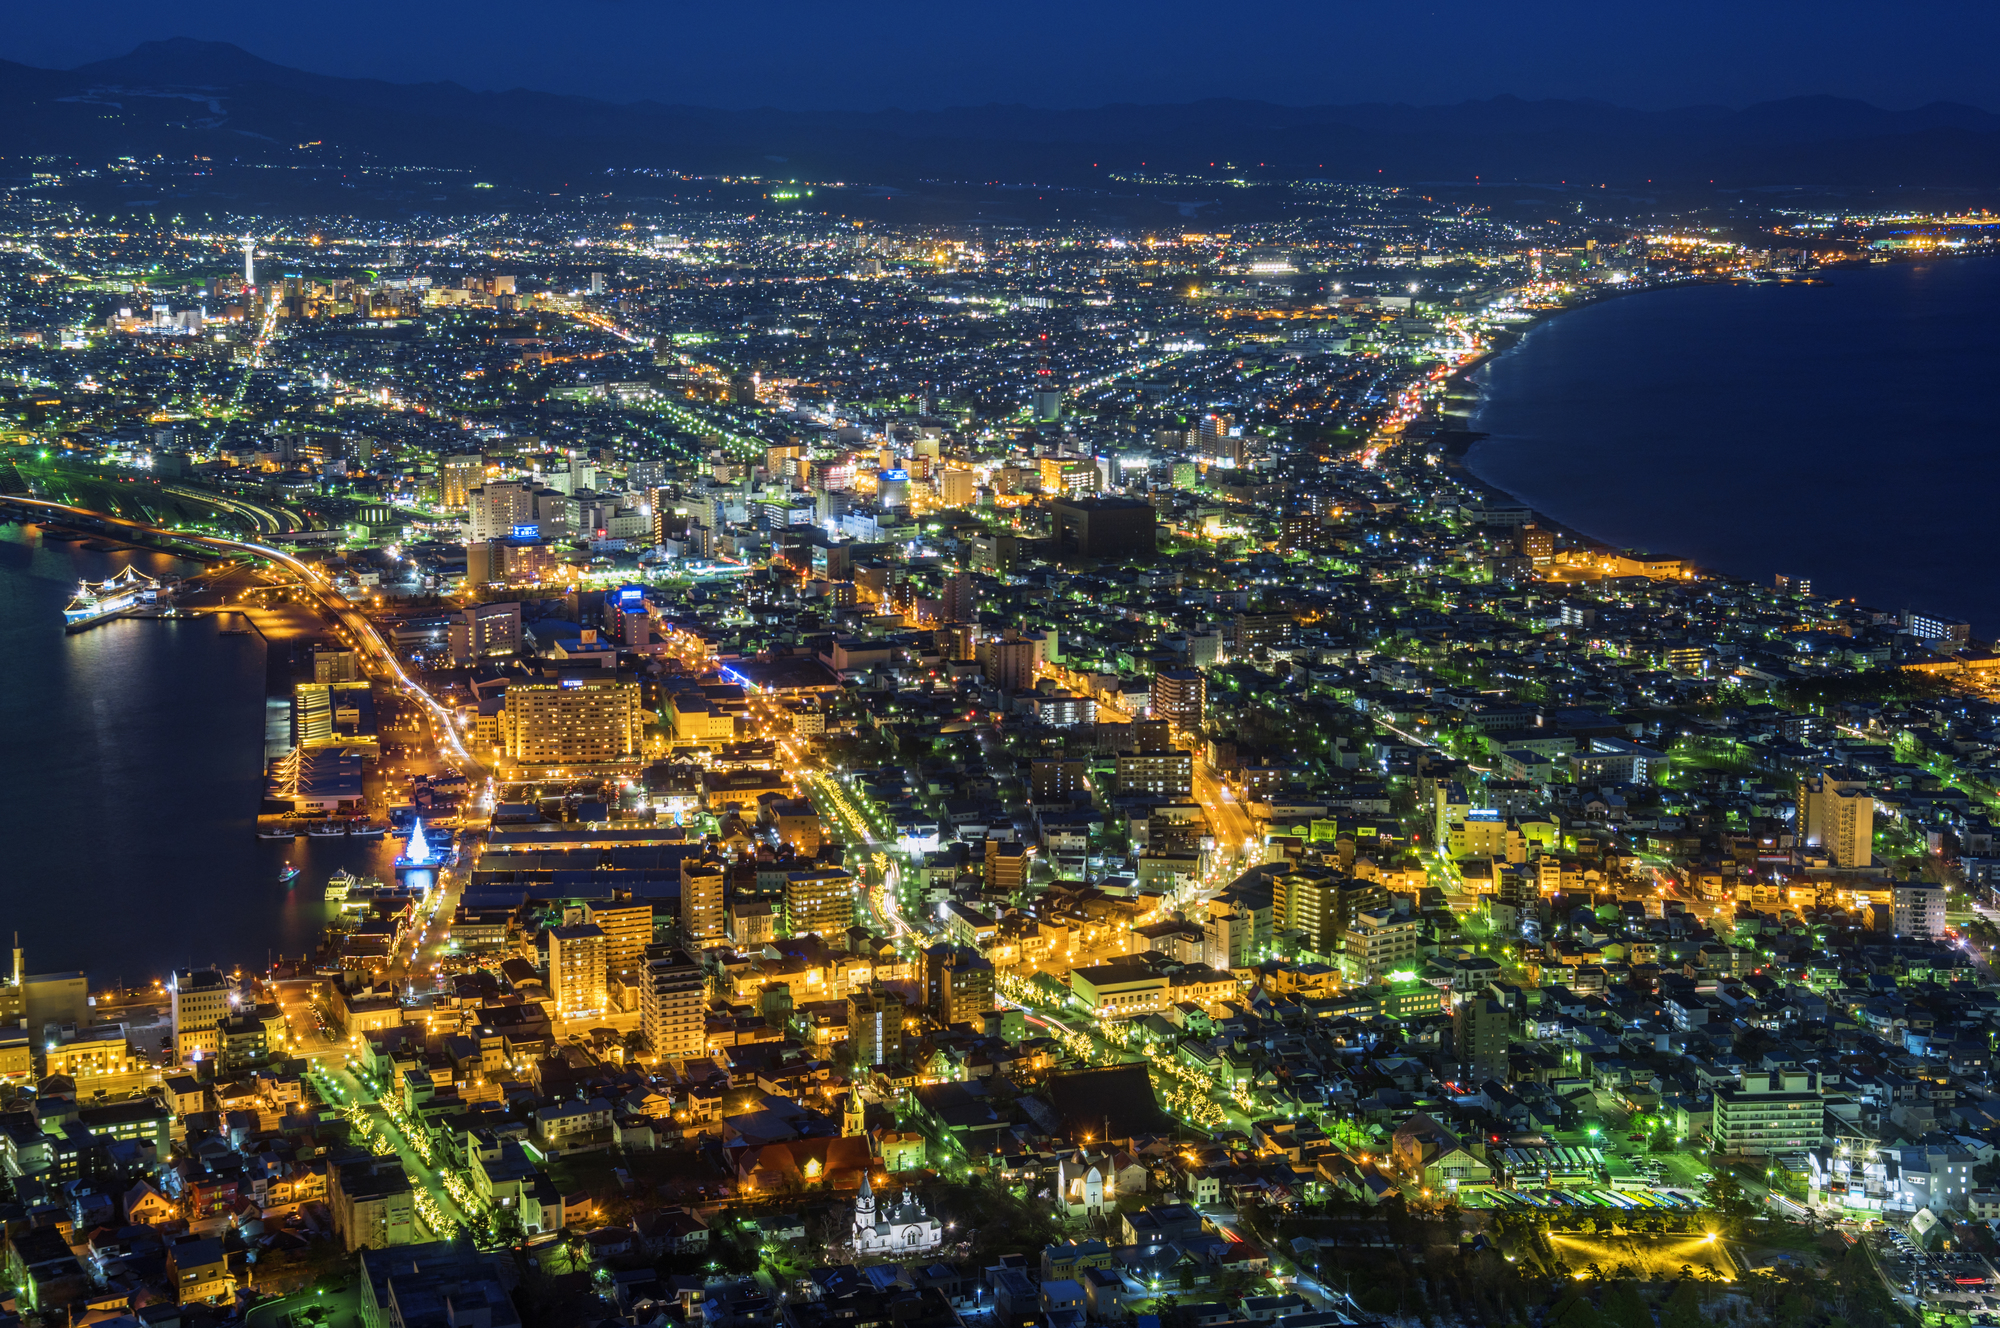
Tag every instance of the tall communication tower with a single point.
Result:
(249, 261)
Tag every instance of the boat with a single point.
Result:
(369, 829)
(327, 829)
(97, 601)
(278, 830)
(340, 883)
(290, 873)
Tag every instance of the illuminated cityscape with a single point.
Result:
(996, 771)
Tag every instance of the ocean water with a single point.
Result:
(134, 775)
(1841, 431)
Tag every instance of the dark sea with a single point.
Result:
(134, 769)
(1841, 431)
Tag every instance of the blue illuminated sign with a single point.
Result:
(527, 532)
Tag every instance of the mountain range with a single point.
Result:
(183, 98)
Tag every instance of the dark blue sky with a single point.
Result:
(826, 53)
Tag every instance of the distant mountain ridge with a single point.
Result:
(181, 97)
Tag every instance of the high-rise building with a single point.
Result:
(628, 930)
(1006, 865)
(1836, 814)
(1164, 774)
(576, 971)
(1228, 938)
(672, 1008)
(645, 476)
(1057, 781)
(958, 984)
(484, 630)
(494, 511)
(1321, 906)
(702, 881)
(1180, 696)
(820, 901)
(458, 476)
(875, 1025)
(1918, 910)
(200, 1004)
(1009, 666)
(1769, 1113)
(574, 721)
(1479, 1033)
(956, 599)
(957, 488)
(1378, 943)
(1535, 544)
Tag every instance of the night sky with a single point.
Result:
(1069, 53)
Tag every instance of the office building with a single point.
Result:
(576, 721)
(673, 1005)
(498, 510)
(200, 1004)
(483, 631)
(1104, 527)
(1180, 696)
(576, 971)
(957, 488)
(335, 665)
(1836, 814)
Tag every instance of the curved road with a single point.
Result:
(365, 633)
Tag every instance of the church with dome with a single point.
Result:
(899, 1228)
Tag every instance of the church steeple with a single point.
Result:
(864, 1208)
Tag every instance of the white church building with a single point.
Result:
(900, 1228)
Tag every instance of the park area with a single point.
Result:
(1644, 1257)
